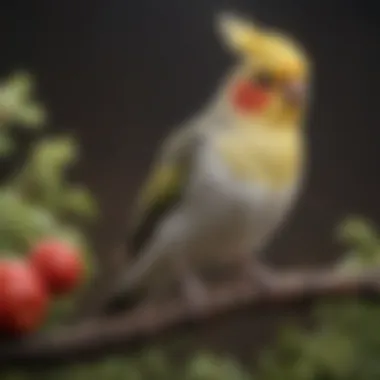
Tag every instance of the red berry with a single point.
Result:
(59, 265)
(23, 297)
(247, 97)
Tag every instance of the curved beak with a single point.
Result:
(295, 92)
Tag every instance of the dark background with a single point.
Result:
(120, 73)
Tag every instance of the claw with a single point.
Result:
(263, 277)
(194, 292)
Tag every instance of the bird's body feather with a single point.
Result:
(223, 182)
(215, 213)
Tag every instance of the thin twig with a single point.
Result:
(96, 337)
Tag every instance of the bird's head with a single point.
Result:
(270, 83)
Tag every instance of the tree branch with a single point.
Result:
(96, 337)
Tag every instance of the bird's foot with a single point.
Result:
(195, 293)
(263, 278)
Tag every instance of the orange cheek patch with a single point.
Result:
(246, 97)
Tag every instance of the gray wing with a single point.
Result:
(164, 186)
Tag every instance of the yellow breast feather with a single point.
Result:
(269, 155)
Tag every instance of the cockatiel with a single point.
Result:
(224, 181)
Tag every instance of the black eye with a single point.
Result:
(265, 79)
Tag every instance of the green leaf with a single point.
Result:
(54, 153)
(16, 104)
(42, 179)
(360, 235)
(31, 115)
(19, 86)
(13, 93)
(78, 201)
(206, 366)
(21, 223)
(7, 145)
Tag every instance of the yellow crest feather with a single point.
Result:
(263, 47)
(238, 34)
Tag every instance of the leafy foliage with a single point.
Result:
(38, 201)
(152, 365)
(17, 104)
(17, 107)
(345, 343)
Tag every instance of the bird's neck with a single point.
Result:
(271, 156)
